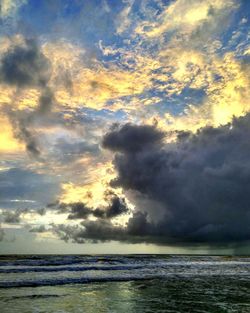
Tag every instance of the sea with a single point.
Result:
(124, 284)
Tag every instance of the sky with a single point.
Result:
(125, 126)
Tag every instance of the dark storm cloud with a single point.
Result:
(67, 232)
(202, 181)
(200, 185)
(137, 230)
(131, 138)
(100, 230)
(25, 66)
(117, 205)
(103, 230)
(78, 210)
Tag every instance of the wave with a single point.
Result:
(48, 261)
(105, 279)
(32, 297)
(81, 280)
(39, 262)
(64, 260)
(110, 266)
(61, 260)
(73, 268)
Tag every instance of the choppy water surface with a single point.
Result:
(58, 284)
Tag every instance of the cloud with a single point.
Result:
(46, 100)
(94, 83)
(38, 229)
(182, 63)
(21, 129)
(17, 216)
(123, 20)
(100, 230)
(200, 182)
(92, 183)
(115, 206)
(8, 8)
(78, 210)
(188, 17)
(2, 234)
(10, 217)
(131, 138)
(25, 66)
(8, 143)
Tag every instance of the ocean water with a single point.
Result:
(124, 283)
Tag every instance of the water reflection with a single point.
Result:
(173, 295)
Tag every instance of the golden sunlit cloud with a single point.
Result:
(185, 16)
(92, 193)
(8, 143)
(226, 97)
